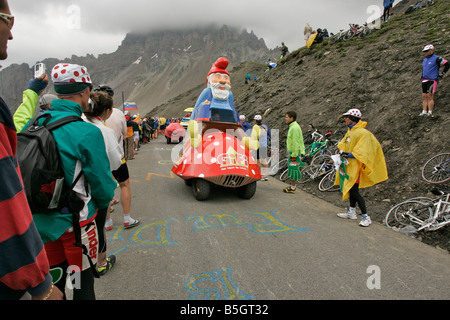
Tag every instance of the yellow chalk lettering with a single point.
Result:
(221, 217)
(274, 225)
(200, 223)
(162, 234)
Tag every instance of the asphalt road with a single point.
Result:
(275, 246)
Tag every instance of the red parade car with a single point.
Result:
(221, 159)
(174, 133)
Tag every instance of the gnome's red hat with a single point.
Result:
(219, 66)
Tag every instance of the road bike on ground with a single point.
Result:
(356, 31)
(420, 213)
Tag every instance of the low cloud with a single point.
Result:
(54, 29)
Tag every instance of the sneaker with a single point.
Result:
(423, 113)
(132, 224)
(264, 178)
(347, 215)
(289, 190)
(365, 222)
(110, 261)
(109, 228)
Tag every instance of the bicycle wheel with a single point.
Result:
(327, 182)
(364, 33)
(391, 221)
(284, 175)
(320, 165)
(412, 214)
(279, 167)
(348, 35)
(437, 169)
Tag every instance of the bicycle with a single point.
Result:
(350, 32)
(364, 31)
(319, 143)
(437, 169)
(337, 37)
(357, 31)
(417, 214)
(317, 148)
(320, 165)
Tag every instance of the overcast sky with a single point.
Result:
(58, 29)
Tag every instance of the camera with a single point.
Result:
(39, 70)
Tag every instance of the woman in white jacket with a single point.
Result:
(101, 109)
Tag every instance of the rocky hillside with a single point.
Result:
(380, 75)
(151, 68)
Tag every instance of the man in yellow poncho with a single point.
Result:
(365, 165)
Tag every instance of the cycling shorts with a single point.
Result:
(63, 249)
(429, 86)
(121, 174)
(261, 153)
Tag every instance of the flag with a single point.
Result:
(130, 106)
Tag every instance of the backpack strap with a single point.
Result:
(60, 122)
(55, 124)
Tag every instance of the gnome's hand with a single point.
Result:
(250, 143)
(193, 130)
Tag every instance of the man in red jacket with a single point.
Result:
(23, 261)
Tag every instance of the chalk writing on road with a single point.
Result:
(157, 233)
(213, 285)
(218, 281)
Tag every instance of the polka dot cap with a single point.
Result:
(70, 73)
(353, 112)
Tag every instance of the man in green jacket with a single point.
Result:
(82, 148)
(295, 147)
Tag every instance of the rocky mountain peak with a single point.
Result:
(151, 68)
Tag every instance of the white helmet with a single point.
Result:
(257, 118)
(242, 117)
(353, 112)
(428, 47)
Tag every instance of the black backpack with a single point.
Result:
(40, 165)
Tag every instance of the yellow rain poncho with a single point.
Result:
(369, 165)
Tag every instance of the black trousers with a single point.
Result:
(356, 198)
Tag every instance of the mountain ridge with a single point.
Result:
(150, 68)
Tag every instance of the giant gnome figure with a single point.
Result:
(215, 103)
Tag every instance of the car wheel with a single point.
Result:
(201, 188)
(168, 140)
(247, 191)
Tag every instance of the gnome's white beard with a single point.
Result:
(220, 91)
